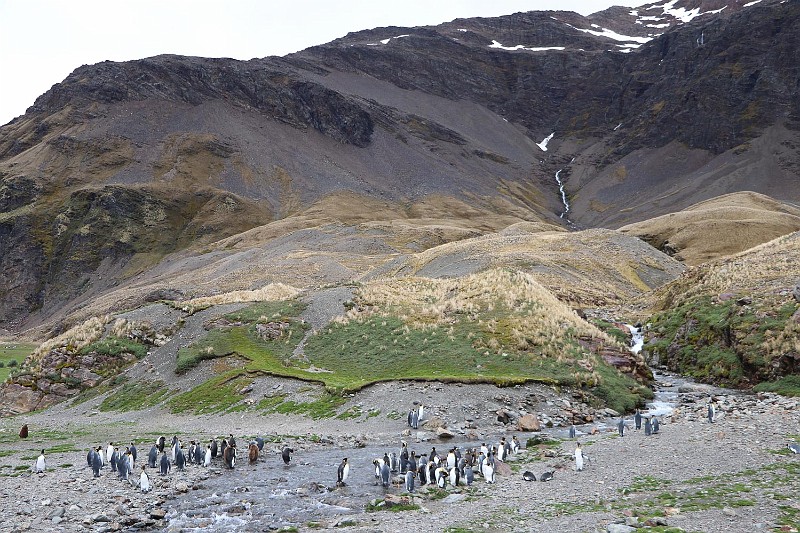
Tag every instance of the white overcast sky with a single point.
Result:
(42, 41)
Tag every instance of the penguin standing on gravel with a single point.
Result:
(152, 456)
(161, 443)
(180, 458)
(656, 425)
(207, 459)
(410, 480)
(133, 451)
(648, 427)
(214, 448)
(637, 419)
(572, 431)
(621, 427)
(469, 474)
(386, 474)
(40, 465)
(144, 481)
(342, 473)
(113, 459)
(165, 464)
(97, 462)
(578, 457)
(286, 455)
(712, 412)
(229, 456)
(260, 443)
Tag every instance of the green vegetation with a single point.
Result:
(787, 386)
(379, 506)
(721, 341)
(11, 355)
(116, 346)
(135, 396)
(217, 395)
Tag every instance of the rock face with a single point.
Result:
(529, 423)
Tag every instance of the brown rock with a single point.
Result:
(158, 514)
(444, 433)
(501, 468)
(394, 499)
(434, 423)
(529, 423)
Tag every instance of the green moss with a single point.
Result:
(217, 395)
(135, 396)
(116, 346)
(786, 386)
(13, 351)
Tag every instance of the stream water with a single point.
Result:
(270, 495)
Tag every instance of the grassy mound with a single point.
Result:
(496, 327)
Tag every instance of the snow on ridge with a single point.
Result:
(495, 44)
(683, 14)
(754, 2)
(386, 41)
(614, 35)
(543, 144)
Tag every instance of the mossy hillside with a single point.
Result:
(724, 341)
(496, 327)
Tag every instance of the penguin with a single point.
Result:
(89, 456)
(451, 458)
(200, 453)
(412, 462)
(190, 451)
(229, 456)
(441, 477)
(484, 450)
(420, 412)
(122, 467)
(578, 457)
(409, 418)
(410, 481)
(422, 473)
(508, 450)
(40, 465)
(648, 427)
(176, 445)
(433, 456)
(152, 456)
(386, 474)
(621, 427)
(793, 447)
(501, 449)
(469, 475)
(377, 463)
(260, 443)
(455, 476)
(207, 458)
(222, 448)
(23, 431)
(488, 473)
(342, 473)
(231, 440)
(546, 476)
(131, 463)
(252, 452)
(165, 464)
(637, 419)
(144, 481)
(656, 425)
(529, 476)
(572, 431)
(161, 443)
(134, 451)
(97, 463)
(414, 421)
(113, 460)
(712, 411)
(180, 459)
(404, 458)
(214, 448)
(109, 452)
(286, 454)
(393, 462)
(514, 444)
(101, 453)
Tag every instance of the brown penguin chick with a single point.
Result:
(253, 453)
(23, 431)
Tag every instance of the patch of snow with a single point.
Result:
(495, 44)
(748, 4)
(385, 41)
(618, 125)
(634, 13)
(614, 35)
(543, 144)
(658, 26)
(401, 36)
(681, 13)
(650, 18)
(462, 29)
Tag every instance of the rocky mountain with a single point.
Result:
(186, 176)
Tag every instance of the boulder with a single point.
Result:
(434, 423)
(501, 468)
(444, 433)
(529, 423)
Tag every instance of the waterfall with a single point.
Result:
(563, 194)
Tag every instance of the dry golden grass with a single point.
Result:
(75, 338)
(722, 226)
(432, 303)
(270, 292)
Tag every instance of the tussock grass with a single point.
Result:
(74, 339)
(135, 396)
(270, 292)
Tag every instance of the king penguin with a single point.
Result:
(386, 474)
(180, 459)
(40, 465)
(260, 443)
(165, 464)
(152, 456)
(637, 419)
(144, 481)
(97, 463)
(656, 425)
(286, 454)
(572, 431)
(229, 456)
(113, 459)
(134, 451)
(711, 412)
(621, 427)
(342, 473)
(410, 481)
(207, 458)
(214, 448)
(648, 427)
(469, 474)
